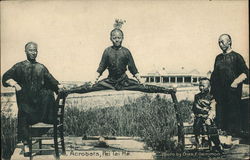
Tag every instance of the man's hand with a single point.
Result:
(234, 84)
(17, 87)
(11, 82)
(238, 80)
(61, 88)
(97, 76)
(14, 84)
(138, 78)
(208, 122)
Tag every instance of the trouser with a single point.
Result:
(131, 85)
(228, 116)
(200, 128)
(23, 127)
(213, 134)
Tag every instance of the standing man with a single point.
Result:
(230, 72)
(34, 87)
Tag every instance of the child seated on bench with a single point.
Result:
(204, 111)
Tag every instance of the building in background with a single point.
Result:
(181, 77)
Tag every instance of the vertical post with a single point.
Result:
(61, 128)
(169, 80)
(181, 138)
(175, 79)
(40, 145)
(55, 127)
(183, 79)
(30, 144)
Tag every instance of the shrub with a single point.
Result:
(8, 131)
(151, 118)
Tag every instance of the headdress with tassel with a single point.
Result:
(118, 23)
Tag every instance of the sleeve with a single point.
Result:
(212, 112)
(213, 79)
(242, 68)
(104, 62)
(212, 83)
(50, 81)
(10, 74)
(131, 64)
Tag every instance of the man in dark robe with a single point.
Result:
(35, 88)
(230, 72)
(117, 59)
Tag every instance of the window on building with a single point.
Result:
(152, 79)
(195, 80)
(147, 79)
(165, 80)
(179, 79)
(172, 79)
(187, 79)
(157, 79)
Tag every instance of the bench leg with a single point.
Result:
(62, 140)
(56, 141)
(40, 145)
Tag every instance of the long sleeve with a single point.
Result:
(131, 64)
(242, 68)
(10, 74)
(104, 63)
(50, 81)
(213, 79)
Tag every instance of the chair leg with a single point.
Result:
(29, 143)
(30, 148)
(40, 145)
(210, 143)
(62, 140)
(55, 141)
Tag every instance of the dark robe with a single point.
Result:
(35, 100)
(227, 68)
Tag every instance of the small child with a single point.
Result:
(204, 111)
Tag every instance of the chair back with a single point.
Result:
(59, 109)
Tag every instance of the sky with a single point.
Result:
(72, 35)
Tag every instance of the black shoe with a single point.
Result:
(26, 154)
(226, 146)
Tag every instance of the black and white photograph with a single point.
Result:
(124, 80)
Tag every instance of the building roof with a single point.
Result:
(174, 72)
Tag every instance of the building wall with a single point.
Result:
(177, 80)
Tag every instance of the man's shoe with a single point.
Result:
(226, 146)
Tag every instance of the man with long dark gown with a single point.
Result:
(230, 72)
(35, 88)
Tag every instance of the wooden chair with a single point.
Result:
(57, 132)
(190, 137)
